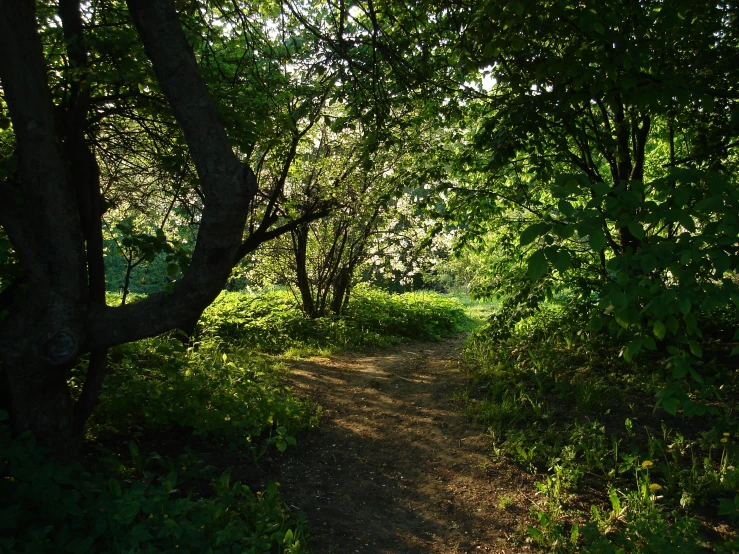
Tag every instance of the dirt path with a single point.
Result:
(395, 467)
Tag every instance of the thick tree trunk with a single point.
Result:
(47, 341)
(52, 217)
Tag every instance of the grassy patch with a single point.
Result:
(616, 475)
(272, 321)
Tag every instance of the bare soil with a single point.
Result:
(395, 467)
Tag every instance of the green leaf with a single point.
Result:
(596, 324)
(565, 231)
(696, 376)
(695, 349)
(648, 342)
(734, 351)
(670, 405)
(659, 330)
(729, 507)
(115, 488)
(648, 263)
(597, 240)
(632, 349)
(537, 265)
(516, 7)
(565, 207)
(680, 367)
(534, 231)
(636, 229)
(139, 533)
(600, 188)
(691, 408)
(563, 261)
(684, 304)
(672, 324)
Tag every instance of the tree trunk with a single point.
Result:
(51, 214)
(300, 249)
(47, 338)
(342, 285)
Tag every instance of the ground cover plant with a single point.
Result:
(146, 482)
(179, 425)
(273, 321)
(616, 474)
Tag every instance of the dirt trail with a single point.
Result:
(395, 467)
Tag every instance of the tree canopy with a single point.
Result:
(594, 141)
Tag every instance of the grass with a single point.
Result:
(477, 312)
(563, 404)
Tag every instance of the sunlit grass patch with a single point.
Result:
(272, 321)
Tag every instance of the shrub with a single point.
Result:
(45, 507)
(272, 321)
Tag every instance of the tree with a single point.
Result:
(338, 167)
(605, 144)
(51, 211)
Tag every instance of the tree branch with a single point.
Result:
(228, 188)
(258, 238)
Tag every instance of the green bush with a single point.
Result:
(45, 507)
(272, 321)
(562, 401)
(233, 398)
(152, 503)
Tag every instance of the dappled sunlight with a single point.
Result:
(395, 465)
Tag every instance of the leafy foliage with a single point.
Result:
(560, 399)
(233, 397)
(273, 322)
(52, 508)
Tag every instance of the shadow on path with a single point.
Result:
(395, 467)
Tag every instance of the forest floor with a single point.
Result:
(395, 467)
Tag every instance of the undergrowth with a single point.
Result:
(565, 405)
(272, 321)
(51, 508)
(146, 484)
(175, 422)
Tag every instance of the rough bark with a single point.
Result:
(39, 341)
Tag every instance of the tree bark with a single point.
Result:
(342, 285)
(300, 248)
(39, 341)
